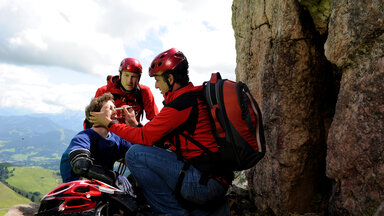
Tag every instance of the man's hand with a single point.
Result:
(130, 117)
(100, 118)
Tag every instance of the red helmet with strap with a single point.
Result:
(165, 61)
(130, 64)
(75, 196)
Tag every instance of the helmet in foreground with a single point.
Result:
(75, 197)
(165, 61)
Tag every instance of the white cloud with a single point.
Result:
(58, 33)
(56, 49)
(31, 89)
(206, 37)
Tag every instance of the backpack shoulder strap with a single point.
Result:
(184, 101)
(215, 77)
(201, 146)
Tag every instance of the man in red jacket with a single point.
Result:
(187, 180)
(127, 90)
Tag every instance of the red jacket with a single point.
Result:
(181, 113)
(121, 97)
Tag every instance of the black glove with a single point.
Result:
(82, 164)
(80, 161)
(102, 174)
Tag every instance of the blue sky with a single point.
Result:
(54, 54)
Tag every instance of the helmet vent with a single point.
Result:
(162, 56)
(75, 202)
(82, 190)
(50, 204)
(160, 63)
(60, 189)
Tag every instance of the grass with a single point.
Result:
(8, 150)
(33, 179)
(9, 198)
(37, 159)
(23, 157)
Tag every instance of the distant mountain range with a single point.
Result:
(72, 120)
(37, 139)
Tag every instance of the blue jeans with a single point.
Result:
(157, 170)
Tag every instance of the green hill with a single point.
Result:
(23, 185)
(9, 198)
(35, 181)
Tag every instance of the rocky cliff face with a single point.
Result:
(355, 151)
(316, 69)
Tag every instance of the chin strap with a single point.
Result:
(125, 90)
(170, 87)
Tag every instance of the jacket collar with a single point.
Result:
(170, 96)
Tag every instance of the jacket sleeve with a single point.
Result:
(150, 107)
(163, 124)
(81, 141)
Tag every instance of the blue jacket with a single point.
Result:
(105, 152)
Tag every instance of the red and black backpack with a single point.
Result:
(237, 124)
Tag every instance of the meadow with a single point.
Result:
(9, 198)
(24, 185)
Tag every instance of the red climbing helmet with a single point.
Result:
(75, 196)
(130, 64)
(165, 61)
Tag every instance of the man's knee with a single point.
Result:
(132, 152)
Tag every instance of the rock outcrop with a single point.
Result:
(316, 69)
(23, 209)
(355, 154)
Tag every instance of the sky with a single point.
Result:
(54, 54)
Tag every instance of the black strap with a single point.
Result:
(178, 148)
(189, 204)
(244, 101)
(183, 202)
(138, 98)
(201, 146)
(179, 183)
(204, 176)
